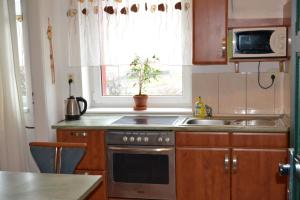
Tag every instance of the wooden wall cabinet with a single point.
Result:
(210, 31)
(230, 166)
(94, 161)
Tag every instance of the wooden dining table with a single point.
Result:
(38, 186)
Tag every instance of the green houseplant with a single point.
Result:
(143, 71)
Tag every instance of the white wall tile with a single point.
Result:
(206, 86)
(232, 93)
(260, 101)
(279, 93)
(239, 93)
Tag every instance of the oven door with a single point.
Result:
(141, 172)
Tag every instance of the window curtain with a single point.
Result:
(113, 32)
(13, 147)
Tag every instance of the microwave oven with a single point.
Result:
(259, 42)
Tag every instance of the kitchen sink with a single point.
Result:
(255, 122)
(192, 121)
(206, 122)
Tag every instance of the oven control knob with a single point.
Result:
(160, 139)
(138, 139)
(167, 139)
(146, 139)
(125, 139)
(131, 139)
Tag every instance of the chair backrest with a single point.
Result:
(57, 157)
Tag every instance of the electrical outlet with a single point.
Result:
(71, 77)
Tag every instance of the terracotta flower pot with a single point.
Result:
(140, 102)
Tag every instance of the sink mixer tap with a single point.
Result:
(209, 111)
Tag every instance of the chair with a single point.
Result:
(60, 157)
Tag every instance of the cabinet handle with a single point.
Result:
(223, 48)
(234, 163)
(79, 134)
(226, 163)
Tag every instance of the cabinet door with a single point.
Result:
(94, 158)
(255, 174)
(209, 31)
(100, 191)
(202, 174)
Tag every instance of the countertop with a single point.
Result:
(104, 122)
(37, 186)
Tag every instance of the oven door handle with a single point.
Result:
(139, 150)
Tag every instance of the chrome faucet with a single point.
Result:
(209, 111)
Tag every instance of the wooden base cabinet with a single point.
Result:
(95, 157)
(94, 160)
(230, 166)
(255, 174)
(202, 166)
(202, 174)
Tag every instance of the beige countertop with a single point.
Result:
(105, 122)
(37, 186)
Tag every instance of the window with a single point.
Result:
(20, 40)
(115, 82)
(172, 90)
(112, 33)
(20, 32)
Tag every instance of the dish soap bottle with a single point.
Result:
(199, 110)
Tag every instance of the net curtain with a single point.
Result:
(113, 32)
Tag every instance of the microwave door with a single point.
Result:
(253, 42)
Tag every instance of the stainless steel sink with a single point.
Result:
(255, 122)
(206, 122)
(192, 121)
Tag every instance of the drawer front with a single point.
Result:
(260, 140)
(202, 139)
(100, 192)
(95, 157)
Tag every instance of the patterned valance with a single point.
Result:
(119, 7)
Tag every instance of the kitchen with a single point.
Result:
(228, 85)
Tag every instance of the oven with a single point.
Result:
(141, 164)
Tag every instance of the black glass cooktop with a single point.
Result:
(147, 120)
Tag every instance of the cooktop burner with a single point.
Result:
(147, 120)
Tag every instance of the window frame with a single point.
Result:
(99, 101)
(27, 109)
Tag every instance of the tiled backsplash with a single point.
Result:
(239, 93)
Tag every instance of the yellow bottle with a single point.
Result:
(199, 110)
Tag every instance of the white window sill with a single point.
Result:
(163, 111)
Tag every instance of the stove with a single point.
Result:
(147, 120)
(140, 138)
(141, 164)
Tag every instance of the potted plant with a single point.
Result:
(143, 72)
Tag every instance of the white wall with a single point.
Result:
(48, 98)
